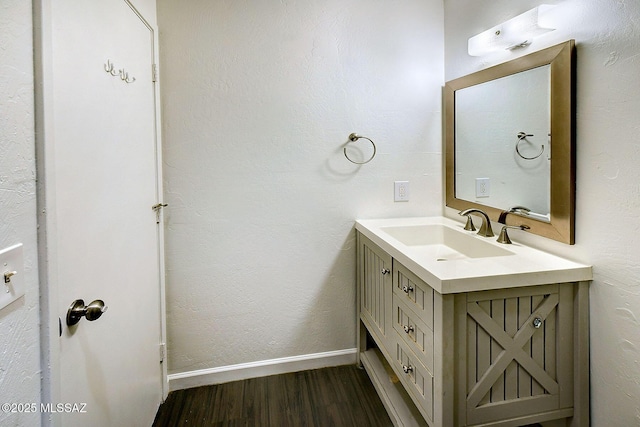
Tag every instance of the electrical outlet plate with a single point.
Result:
(401, 191)
(11, 260)
(483, 187)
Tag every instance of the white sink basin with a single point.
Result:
(445, 242)
(439, 251)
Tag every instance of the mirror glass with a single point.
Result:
(509, 141)
(503, 130)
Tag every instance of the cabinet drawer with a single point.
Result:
(417, 379)
(415, 333)
(414, 292)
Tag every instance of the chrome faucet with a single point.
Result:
(485, 229)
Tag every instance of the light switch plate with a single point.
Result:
(11, 275)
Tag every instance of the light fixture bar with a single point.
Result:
(512, 34)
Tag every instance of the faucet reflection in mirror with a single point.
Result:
(512, 34)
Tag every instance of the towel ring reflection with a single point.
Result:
(353, 138)
(521, 136)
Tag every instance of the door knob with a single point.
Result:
(91, 312)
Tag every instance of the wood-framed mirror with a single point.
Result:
(510, 141)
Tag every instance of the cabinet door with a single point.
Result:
(514, 352)
(375, 288)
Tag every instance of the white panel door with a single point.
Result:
(106, 243)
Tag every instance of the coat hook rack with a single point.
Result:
(110, 68)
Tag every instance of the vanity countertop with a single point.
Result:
(452, 260)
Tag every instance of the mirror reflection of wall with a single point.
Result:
(488, 118)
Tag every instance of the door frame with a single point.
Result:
(46, 201)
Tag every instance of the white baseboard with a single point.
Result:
(261, 368)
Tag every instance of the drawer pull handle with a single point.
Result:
(385, 271)
(407, 369)
(407, 328)
(537, 322)
(406, 289)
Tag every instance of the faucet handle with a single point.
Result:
(469, 225)
(504, 237)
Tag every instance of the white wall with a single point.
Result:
(608, 174)
(259, 98)
(19, 328)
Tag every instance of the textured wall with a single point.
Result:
(608, 176)
(258, 99)
(19, 333)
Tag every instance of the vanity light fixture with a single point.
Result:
(512, 34)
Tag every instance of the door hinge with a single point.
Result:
(157, 208)
(154, 72)
(163, 352)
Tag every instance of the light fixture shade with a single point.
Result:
(516, 32)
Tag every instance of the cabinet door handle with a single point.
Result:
(407, 369)
(537, 322)
(407, 328)
(385, 271)
(406, 289)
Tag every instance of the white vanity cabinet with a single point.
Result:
(509, 356)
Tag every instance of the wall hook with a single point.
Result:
(110, 68)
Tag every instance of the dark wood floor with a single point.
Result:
(340, 396)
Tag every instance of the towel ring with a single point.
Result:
(521, 136)
(353, 138)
